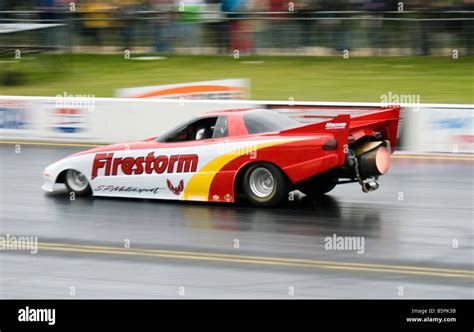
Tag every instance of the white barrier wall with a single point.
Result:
(106, 120)
(439, 129)
(424, 127)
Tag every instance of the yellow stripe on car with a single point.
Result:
(200, 183)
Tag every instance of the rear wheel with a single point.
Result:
(265, 185)
(77, 183)
(318, 188)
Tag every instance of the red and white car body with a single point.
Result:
(206, 158)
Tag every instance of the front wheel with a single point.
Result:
(265, 185)
(77, 183)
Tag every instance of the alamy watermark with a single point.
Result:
(28, 314)
(391, 98)
(227, 148)
(19, 243)
(349, 243)
(75, 101)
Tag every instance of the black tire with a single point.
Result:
(73, 187)
(318, 188)
(280, 185)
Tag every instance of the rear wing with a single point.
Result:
(380, 123)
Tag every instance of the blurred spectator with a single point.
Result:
(188, 29)
(240, 30)
(283, 24)
(230, 27)
(306, 25)
(128, 23)
(257, 26)
(342, 28)
(47, 9)
(4, 6)
(97, 16)
(163, 24)
(216, 23)
(468, 28)
(376, 32)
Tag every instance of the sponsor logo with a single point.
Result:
(69, 120)
(143, 165)
(216, 197)
(464, 138)
(112, 188)
(37, 315)
(453, 123)
(14, 115)
(175, 190)
(196, 198)
(228, 197)
(336, 125)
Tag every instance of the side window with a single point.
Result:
(256, 124)
(198, 130)
(221, 128)
(268, 121)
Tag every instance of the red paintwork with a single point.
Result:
(299, 159)
(303, 159)
(385, 118)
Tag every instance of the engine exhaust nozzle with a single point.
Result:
(374, 162)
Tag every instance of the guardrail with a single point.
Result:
(445, 128)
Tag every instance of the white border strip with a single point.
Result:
(252, 102)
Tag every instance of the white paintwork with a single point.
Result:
(205, 152)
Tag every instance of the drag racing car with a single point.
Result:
(259, 154)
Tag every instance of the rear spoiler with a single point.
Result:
(381, 123)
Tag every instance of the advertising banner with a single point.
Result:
(220, 89)
(442, 130)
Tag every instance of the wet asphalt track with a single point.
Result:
(409, 226)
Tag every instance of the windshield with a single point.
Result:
(163, 138)
(268, 121)
(197, 129)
